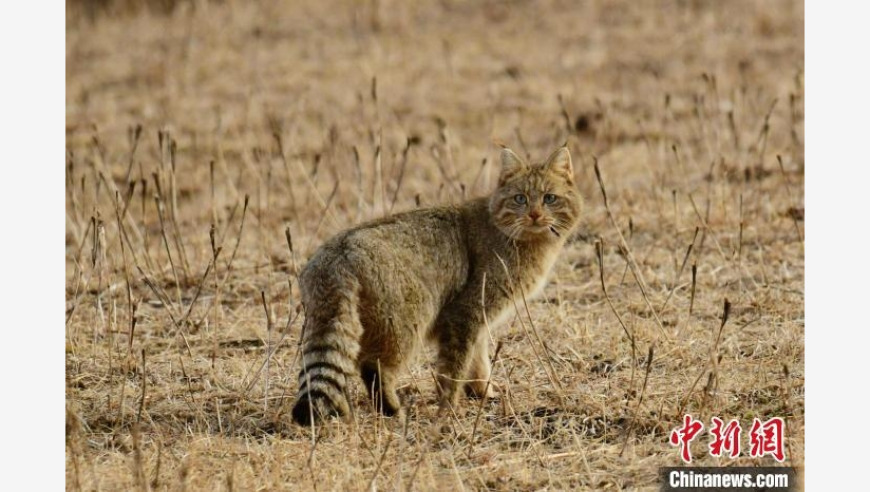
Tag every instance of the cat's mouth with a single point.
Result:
(533, 231)
(540, 229)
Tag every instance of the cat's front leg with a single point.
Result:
(463, 346)
(453, 360)
(458, 328)
(479, 384)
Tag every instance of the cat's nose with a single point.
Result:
(535, 215)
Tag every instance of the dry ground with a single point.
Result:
(282, 105)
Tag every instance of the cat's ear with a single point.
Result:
(559, 163)
(510, 164)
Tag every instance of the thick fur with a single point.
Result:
(374, 293)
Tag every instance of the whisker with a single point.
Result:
(517, 229)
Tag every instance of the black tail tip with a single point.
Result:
(302, 412)
(307, 411)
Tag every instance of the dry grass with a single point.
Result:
(182, 307)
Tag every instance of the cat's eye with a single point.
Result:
(520, 199)
(549, 199)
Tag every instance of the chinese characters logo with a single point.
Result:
(765, 438)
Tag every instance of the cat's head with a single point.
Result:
(536, 202)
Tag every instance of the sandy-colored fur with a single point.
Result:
(373, 293)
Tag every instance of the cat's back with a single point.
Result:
(427, 246)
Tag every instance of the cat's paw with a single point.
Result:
(479, 389)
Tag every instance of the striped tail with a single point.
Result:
(332, 332)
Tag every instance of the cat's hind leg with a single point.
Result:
(380, 383)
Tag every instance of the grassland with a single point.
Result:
(200, 140)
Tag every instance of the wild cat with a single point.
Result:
(373, 293)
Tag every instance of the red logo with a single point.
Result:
(683, 436)
(727, 439)
(766, 438)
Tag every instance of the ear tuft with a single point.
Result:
(559, 162)
(510, 164)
